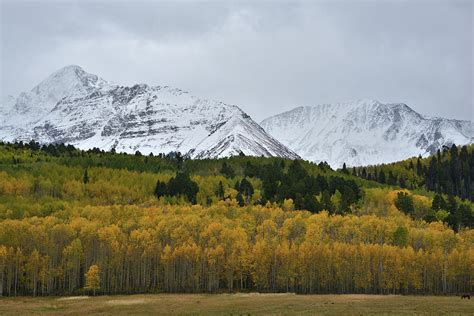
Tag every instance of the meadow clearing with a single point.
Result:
(238, 304)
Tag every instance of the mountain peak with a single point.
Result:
(364, 132)
(71, 76)
(70, 81)
(70, 70)
(75, 107)
(64, 82)
(368, 102)
(363, 103)
(71, 67)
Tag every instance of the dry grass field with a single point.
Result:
(238, 304)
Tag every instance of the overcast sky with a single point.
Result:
(266, 57)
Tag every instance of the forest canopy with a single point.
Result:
(450, 172)
(98, 222)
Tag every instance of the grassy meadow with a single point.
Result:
(238, 304)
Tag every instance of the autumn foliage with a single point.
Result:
(229, 248)
(61, 235)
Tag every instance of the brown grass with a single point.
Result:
(239, 304)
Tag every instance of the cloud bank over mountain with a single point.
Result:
(266, 57)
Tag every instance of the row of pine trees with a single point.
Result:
(450, 171)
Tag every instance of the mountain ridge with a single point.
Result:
(364, 132)
(73, 106)
(76, 107)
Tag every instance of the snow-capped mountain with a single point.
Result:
(74, 107)
(364, 132)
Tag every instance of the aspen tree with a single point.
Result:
(93, 279)
(3, 263)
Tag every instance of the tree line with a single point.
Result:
(227, 248)
(450, 171)
(334, 194)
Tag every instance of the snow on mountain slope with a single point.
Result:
(7, 103)
(364, 132)
(239, 134)
(67, 82)
(74, 107)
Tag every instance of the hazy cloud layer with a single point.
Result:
(266, 57)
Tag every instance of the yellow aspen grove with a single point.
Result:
(72, 255)
(229, 248)
(93, 279)
(32, 269)
(75, 221)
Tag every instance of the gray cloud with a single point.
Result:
(266, 57)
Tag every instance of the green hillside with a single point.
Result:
(449, 174)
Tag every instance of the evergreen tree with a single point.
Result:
(296, 171)
(85, 177)
(465, 215)
(322, 183)
(311, 204)
(326, 202)
(439, 203)
(272, 176)
(419, 168)
(183, 185)
(179, 161)
(246, 189)
(220, 191)
(392, 179)
(402, 181)
(250, 170)
(464, 154)
(452, 204)
(453, 151)
(240, 199)
(161, 189)
(404, 202)
(430, 217)
(344, 169)
(348, 197)
(400, 237)
(323, 165)
(227, 170)
(381, 177)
